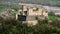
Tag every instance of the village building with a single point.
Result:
(28, 14)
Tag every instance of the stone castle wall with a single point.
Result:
(32, 12)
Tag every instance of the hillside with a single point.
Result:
(43, 2)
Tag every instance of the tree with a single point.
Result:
(51, 13)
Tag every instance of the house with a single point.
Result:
(29, 13)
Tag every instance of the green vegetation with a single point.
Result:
(4, 7)
(13, 26)
(52, 17)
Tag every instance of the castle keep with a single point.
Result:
(28, 14)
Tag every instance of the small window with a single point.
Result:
(46, 11)
(25, 12)
(35, 9)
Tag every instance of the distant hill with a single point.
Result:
(42, 2)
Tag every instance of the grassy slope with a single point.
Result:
(43, 2)
(4, 7)
(52, 17)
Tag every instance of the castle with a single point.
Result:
(28, 14)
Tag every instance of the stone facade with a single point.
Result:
(31, 12)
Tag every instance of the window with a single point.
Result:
(25, 12)
(35, 9)
(46, 11)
